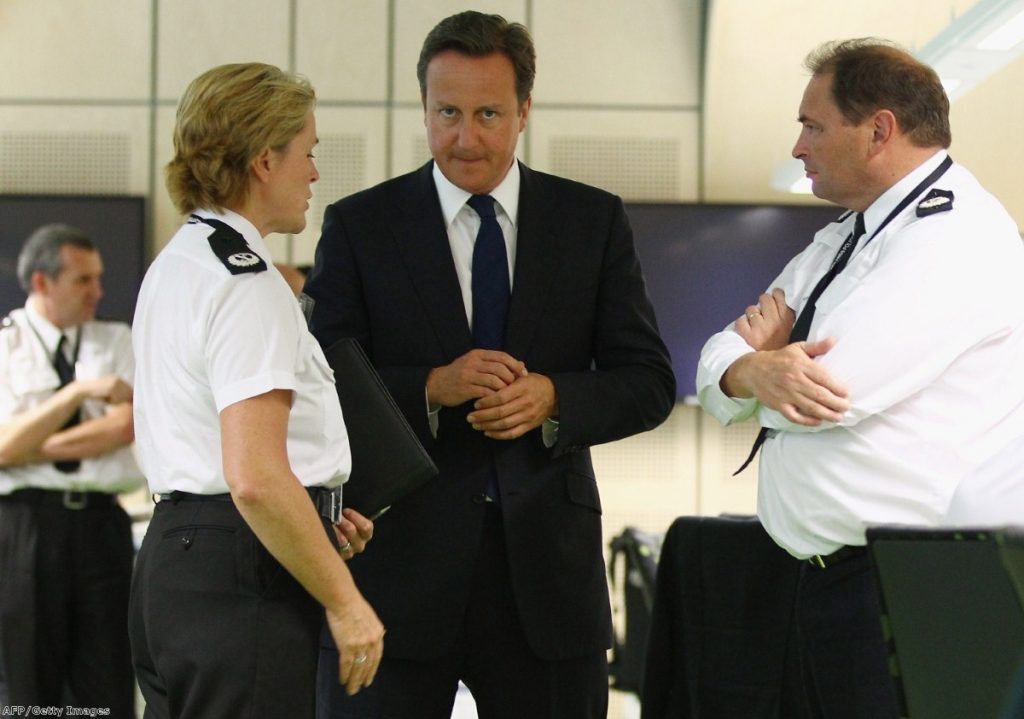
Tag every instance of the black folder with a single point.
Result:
(388, 460)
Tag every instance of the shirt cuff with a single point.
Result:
(714, 362)
(433, 421)
(549, 432)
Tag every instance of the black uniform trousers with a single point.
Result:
(218, 627)
(491, 656)
(65, 575)
(843, 654)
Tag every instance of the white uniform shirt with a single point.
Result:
(993, 494)
(205, 339)
(28, 344)
(929, 318)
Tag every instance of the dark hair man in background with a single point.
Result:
(507, 313)
(65, 431)
(884, 363)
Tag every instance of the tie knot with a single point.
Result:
(483, 205)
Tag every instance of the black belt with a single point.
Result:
(327, 501)
(66, 498)
(820, 561)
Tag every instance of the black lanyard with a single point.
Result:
(802, 326)
(46, 350)
(924, 185)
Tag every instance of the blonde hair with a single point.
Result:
(226, 118)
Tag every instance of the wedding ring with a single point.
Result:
(346, 547)
(361, 659)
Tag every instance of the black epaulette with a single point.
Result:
(230, 247)
(935, 201)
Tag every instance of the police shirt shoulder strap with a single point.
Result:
(935, 201)
(230, 247)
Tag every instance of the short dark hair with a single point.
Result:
(869, 74)
(477, 35)
(41, 252)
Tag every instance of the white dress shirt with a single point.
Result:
(929, 318)
(28, 344)
(463, 223)
(993, 494)
(206, 339)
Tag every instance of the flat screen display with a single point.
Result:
(115, 224)
(705, 263)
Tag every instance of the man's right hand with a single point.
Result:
(789, 381)
(476, 374)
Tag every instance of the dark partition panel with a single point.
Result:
(115, 224)
(705, 263)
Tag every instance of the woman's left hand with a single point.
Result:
(354, 532)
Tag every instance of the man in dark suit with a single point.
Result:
(508, 369)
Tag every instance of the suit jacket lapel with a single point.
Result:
(537, 263)
(420, 235)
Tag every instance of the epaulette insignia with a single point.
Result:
(935, 201)
(231, 248)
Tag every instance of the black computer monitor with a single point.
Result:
(954, 618)
(116, 224)
(705, 263)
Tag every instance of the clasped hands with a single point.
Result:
(509, 400)
(781, 375)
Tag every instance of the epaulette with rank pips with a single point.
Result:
(230, 247)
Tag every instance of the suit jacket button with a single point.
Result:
(480, 498)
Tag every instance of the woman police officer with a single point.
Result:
(238, 427)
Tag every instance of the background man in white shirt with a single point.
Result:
(65, 430)
(905, 375)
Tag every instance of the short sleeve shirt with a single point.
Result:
(28, 343)
(205, 339)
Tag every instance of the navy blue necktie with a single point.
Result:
(491, 288)
(66, 373)
(802, 327)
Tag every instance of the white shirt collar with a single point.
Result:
(887, 201)
(48, 332)
(239, 222)
(453, 198)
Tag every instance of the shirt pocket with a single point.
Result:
(33, 383)
(838, 292)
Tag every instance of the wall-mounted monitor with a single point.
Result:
(116, 224)
(705, 263)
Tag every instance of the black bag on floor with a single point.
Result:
(633, 569)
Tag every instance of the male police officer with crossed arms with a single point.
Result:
(65, 431)
(884, 362)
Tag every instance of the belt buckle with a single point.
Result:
(818, 561)
(335, 504)
(74, 499)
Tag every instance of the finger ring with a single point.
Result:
(361, 659)
(752, 315)
(346, 547)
